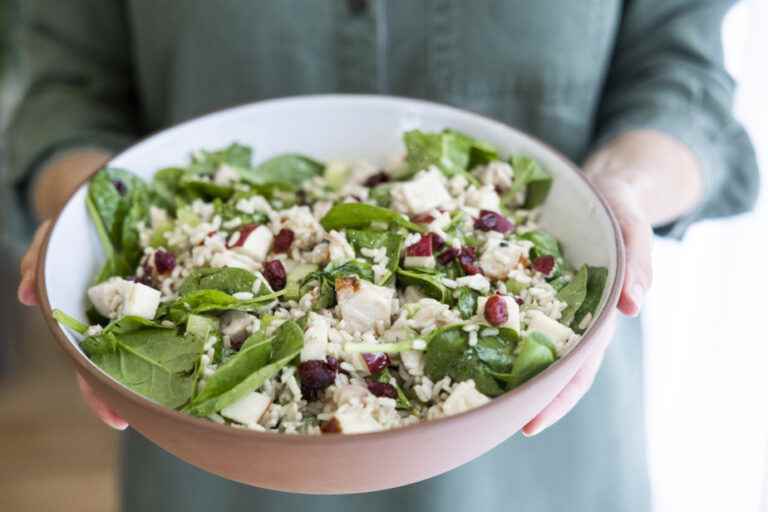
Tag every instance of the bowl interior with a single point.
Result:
(328, 127)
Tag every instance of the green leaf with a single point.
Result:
(361, 215)
(381, 195)
(138, 212)
(193, 186)
(466, 302)
(207, 162)
(165, 185)
(70, 322)
(529, 176)
(285, 172)
(402, 401)
(596, 281)
(111, 193)
(155, 362)
(226, 279)
(449, 151)
(497, 351)
(369, 239)
(248, 370)
(449, 354)
(573, 294)
(531, 359)
(545, 244)
(215, 301)
(430, 284)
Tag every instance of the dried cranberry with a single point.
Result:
(421, 248)
(315, 376)
(496, 310)
(244, 232)
(468, 261)
(283, 240)
(492, 221)
(164, 261)
(274, 272)
(120, 187)
(332, 362)
(437, 241)
(376, 179)
(382, 389)
(376, 361)
(519, 301)
(447, 255)
(544, 264)
(236, 341)
(422, 218)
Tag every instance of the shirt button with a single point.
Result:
(357, 6)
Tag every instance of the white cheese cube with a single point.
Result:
(419, 261)
(339, 250)
(140, 300)
(257, 244)
(413, 360)
(107, 297)
(363, 304)
(351, 420)
(315, 338)
(248, 410)
(424, 192)
(513, 311)
(554, 330)
(463, 398)
(500, 258)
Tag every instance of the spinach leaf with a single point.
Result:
(381, 195)
(449, 151)
(137, 212)
(214, 301)
(248, 370)
(449, 354)
(111, 193)
(70, 322)
(194, 186)
(286, 172)
(226, 279)
(596, 280)
(430, 284)
(573, 294)
(155, 362)
(466, 302)
(326, 279)
(497, 351)
(529, 176)
(207, 162)
(228, 210)
(393, 242)
(531, 358)
(361, 215)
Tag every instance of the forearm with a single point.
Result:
(662, 172)
(60, 177)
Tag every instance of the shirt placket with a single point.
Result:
(362, 46)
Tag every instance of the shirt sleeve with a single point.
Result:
(77, 82)
(668, 74)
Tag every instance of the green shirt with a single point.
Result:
(573, 73)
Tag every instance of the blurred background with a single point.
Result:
(707, 350)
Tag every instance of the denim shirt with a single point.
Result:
(574, 74)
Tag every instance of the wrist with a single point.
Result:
(61, 176)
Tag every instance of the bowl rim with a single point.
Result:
(84, 364)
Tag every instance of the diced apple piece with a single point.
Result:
(463, 398)
(140, 300)
(421, 194)
(350, 420)
(256, 244)
(419, 261)
(554, 330)
(233, 259)
(248, 410)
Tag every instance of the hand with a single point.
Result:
(638, 238)
(26, 293)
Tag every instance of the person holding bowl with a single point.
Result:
(635, 91)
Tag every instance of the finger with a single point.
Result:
(638, 240)
(26, 290)
(567, 398)
(99, 408)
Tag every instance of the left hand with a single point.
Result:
(638, 239)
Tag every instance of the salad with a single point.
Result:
(297, 296)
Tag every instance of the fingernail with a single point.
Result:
(638, 296)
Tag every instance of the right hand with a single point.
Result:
(26, 293)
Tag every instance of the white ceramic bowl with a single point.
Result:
(333, 127)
